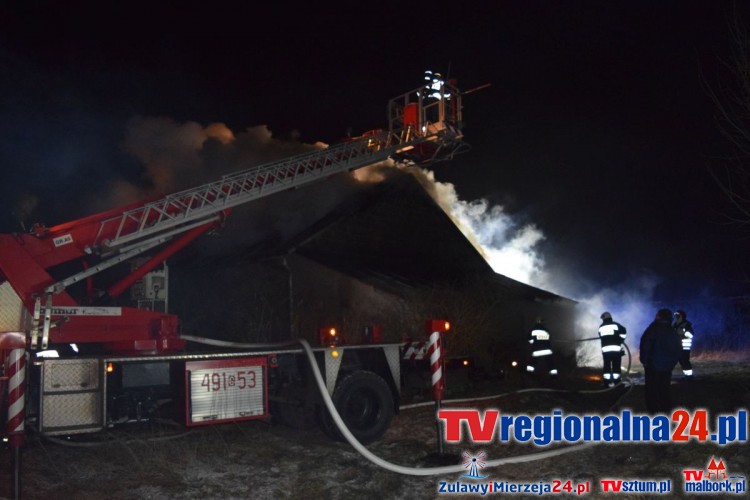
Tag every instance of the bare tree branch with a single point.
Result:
(731, 98)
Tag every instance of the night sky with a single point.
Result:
(596, 128)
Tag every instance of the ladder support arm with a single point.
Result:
(118, 288)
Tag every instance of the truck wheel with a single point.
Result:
(364, 401)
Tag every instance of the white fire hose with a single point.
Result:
(361, 449)
(415, 471)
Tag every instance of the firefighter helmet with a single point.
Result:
(680, 313)
(606, 315)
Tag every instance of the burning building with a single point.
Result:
(382, 255)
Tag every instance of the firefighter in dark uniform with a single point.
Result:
(659, 352)
(684, 329)
(541, 360)
(612, 336)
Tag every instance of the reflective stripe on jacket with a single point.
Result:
(612, 335)
(685, 331)
(540, 343)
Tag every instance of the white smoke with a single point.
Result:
(180, 155)
(512, 248)
(630, 304)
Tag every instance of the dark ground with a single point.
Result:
(259, 460)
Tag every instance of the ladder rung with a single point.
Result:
(234, 189)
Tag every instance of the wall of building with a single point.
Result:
(294, 297)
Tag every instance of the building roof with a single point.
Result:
(392, 235)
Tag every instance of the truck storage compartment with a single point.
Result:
(71, 396)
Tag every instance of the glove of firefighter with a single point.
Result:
(622, 351)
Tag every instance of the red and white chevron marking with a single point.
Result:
(436, 366)
(16, 370)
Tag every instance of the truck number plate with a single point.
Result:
(225, 390)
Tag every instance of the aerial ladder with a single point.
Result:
(131, 358)
(424, 126)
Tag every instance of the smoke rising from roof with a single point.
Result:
(513, 249)
(522, 251)
(178, 156)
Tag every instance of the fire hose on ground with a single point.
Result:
(362, 450)
(416, 471)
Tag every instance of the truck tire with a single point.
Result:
(365, 403)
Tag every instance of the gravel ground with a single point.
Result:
(258, 460)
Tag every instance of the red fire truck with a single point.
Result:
(72, 366)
